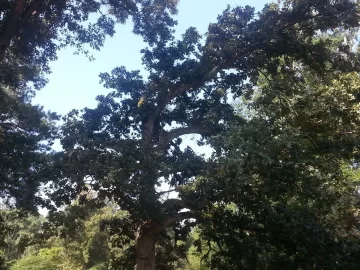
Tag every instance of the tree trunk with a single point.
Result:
(146, 239)
(145, 249)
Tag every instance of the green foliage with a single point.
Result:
(279, 190)
(78, 231)
(72, 239)
(47, 259)
(193, 259)
(131, 142)
(20, 231)
(31, 33)
(290, 172)
(26, 136)
(55, 24)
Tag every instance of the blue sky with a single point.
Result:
(74, 81)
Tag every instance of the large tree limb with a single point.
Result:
(175, 203)
(175, 133)
(167, 191)
(178, 89)
(237, 55)
(172, 220)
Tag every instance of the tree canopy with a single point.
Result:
(280, 190)
(132, 140)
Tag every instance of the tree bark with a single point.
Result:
(145, 248)
(146, 238)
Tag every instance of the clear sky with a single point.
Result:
(74, 82)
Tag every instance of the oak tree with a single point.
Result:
(131, 143)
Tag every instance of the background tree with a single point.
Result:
(130, 143)
(291, 172)
(19, 231)
(74, 238)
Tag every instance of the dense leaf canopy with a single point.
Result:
(131, 142)
(280, 190)
(287, 178)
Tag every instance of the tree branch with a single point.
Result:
(167, 191)
(172, 220)
(175, 133)
(182, 88)
(179, 88)
(180, 204)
